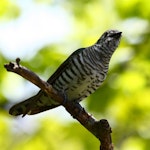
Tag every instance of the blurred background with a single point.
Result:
(43, 33)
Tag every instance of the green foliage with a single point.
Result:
(46, 60)
(8, 9)
(2, 77)
(134, 7)
(124, 98)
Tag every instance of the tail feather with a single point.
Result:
(31, 106)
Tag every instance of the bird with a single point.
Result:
(80, 75)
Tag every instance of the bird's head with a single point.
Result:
(110, 39)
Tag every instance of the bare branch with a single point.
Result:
(100, 129)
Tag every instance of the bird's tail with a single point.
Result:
(33, 105)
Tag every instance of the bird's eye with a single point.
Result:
(106, 34)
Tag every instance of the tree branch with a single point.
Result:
(100, 129)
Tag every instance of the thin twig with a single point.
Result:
(100, 129)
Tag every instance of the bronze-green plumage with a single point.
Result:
(77, 77)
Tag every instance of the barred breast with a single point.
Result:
(84, 75)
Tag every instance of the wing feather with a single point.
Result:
(33, 105)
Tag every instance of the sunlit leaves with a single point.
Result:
(128, 8)
(8, 9)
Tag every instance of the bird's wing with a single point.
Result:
(63, 66)
(41, 102)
